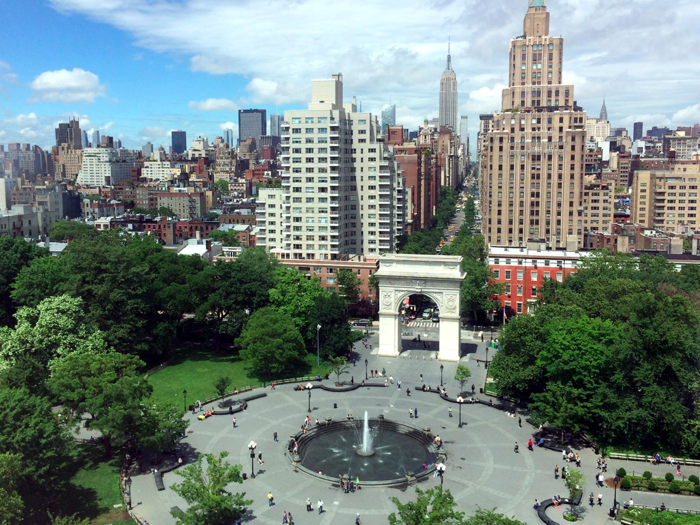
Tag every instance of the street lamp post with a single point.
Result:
(128, 488)
(366, 363)
(460, 400)
(251, 446)
(184, 393)
(487, 357)
(441, 369)
(309, 387)
(616, 480)
(318, 353)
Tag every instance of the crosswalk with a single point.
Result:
(422, 324)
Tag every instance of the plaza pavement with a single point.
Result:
(482, 469)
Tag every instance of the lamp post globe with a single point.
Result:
(442, 367)
(252, 446)
(184, 394)
(309, 387)
(460, 400)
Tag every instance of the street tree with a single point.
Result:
(204, 490)
(434, 506)
(349, 285)
(225, 237)
(271, 344)
(15, 254)
(64, 231)
(462, 376)
(11, 503)
(575, 482)
(107, 386)
(221, 385)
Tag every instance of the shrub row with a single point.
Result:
(646, 481)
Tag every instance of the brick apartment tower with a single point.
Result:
(532, 159)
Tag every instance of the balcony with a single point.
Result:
(334, 182)
(334, 133)
(384, 180)
(334, 154)
(384, 228)
(384, 201)
(384, 210)
(335, 242)
(384, 192)
(336, 214)
(284, 135)
(334, 162)
(385, 219)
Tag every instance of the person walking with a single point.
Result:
(600, 498)
(556, 472)
(274, 437)
(269, 499)
(410, 413)
(358, 521)
(408, 392)
(290, 520)
(678, 469)
(260, 459)
(421, 380)
(529, 444)
(520, 422)
(449, 409)
(472, 388)
(398, 383)
(320, 506)
(234, 422)
(284, 518)
(308, 505)
(273, 385)
(515, 449)
(415, 414)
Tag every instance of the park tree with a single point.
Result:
(41, 467)
(295, 294)
(107, 386)
(339, 366)
(462, 376)
(11, 503)
(575, 482)
(349, 285)
(434, 506)
(64, 231)
(271, 344)
(225, 237)
(41, 279)
(224, 291)
(490, 517)
(161, 427)
(336, 336)
(69, 520)
(221, 385)
(204, 490)
(55, 328)
(15, 254)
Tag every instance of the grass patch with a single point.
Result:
(96, 487)
(196, 370)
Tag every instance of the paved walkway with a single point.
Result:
(482, 469)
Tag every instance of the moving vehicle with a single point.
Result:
(442, 241)
(427, 313)
(452, 239)
(436, 317)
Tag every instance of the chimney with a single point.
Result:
(676, 245)
(694, 246)
(571, 243)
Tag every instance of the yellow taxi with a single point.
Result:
(442, 241)
(452, 239)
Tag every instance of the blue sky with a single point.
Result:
(137, 69)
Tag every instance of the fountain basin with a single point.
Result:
(330, 451)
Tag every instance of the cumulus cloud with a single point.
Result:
(6, 75)
(214, 104)
(22, 120)
(152, 133)
(66, 86)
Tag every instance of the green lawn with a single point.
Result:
(195, 371)
(96, 487)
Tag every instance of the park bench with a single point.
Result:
(158, 477)
(176, 509)
(626, 522)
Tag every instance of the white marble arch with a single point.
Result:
(437, 276)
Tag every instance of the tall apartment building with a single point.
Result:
(147, 150)
(179, 141)
(251, 124)
(340, 193)
(666, 200)
(464, 131)
(105, 166)
(67, 161)
(69, 133)
(448, 96)
(597, 130)
(532, 161)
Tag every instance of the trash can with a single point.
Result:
(612, 513)
(335, 405)
(596, 450)
(481, 390)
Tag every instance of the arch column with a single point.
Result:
(440, 278)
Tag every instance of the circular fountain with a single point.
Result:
(376, 452)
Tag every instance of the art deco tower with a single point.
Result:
(448, 96)
(532, 162)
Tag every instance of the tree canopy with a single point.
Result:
(63, 231)
(15, 254)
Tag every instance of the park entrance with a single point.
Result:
(438, 277)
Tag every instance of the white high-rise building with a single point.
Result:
(448, 96)
(105, 166)
(340, 192)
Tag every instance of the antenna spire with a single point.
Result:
(449, 58)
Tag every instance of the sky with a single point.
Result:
(137, 69)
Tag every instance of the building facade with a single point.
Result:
(105, 166)
(532, 158)
(448, 97)
(251, 124)
(665, 200)
(69, 133)
(276, 125)
(179, 141)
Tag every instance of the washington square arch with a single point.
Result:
(438, 277)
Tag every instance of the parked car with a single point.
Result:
(427, 313)
(436, 317)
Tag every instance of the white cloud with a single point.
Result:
(229, 125)
(22, 120)
(151, 133)
(271, 92)
(106, 127)
(7, 76)
(66, 86)
(214, 104)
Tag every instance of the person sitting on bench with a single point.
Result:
(540, 443)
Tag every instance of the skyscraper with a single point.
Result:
(179, 141)
(147, 150)
(638, 130)
(276, 125)
(604, 111)
(389, 116)
(228, 137)
(86, 142)
(69, 133)
(448, 96)
(463, 130)
(251, 124)
(95, 138)
(532, 159)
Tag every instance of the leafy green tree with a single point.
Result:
(28, 427)
(221, 385)
(575, 482)
(339, 366)
(107, 386)
(63, 231)
(490, 517)
(205, 492)
(41, 279)
(349, 285)
(462, 376)
(11, 503)
(431, 507)
(225, 237)
(270, 343)
(373, 283)
(296, 294)
(69, 520)
(211, 216)
(222, 187)
(162, 426)
(336, 336)
(15, 254)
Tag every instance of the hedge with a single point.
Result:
(660, 484)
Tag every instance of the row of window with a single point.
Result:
(535, 262)
(520, 274)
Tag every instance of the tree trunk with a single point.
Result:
(107, 441)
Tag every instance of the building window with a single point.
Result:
(507, 275)
(560, 276)
(519, 308)
(519, 289)
(496, 274)
(520, 275)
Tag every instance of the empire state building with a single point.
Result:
(448, 96)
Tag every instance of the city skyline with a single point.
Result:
(182, 86)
